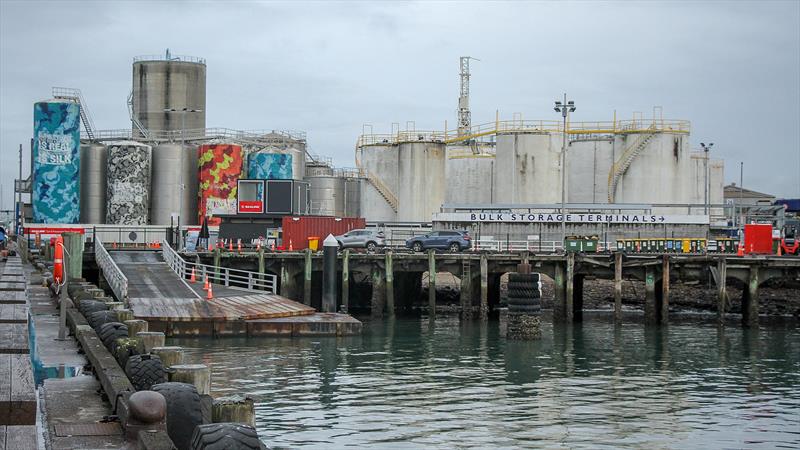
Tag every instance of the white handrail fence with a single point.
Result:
(114, 276)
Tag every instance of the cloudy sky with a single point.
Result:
(732, 68)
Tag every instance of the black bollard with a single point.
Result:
(329, 248)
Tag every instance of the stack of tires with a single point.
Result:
(524, 306)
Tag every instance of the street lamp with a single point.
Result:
(564, 108)
(706, 149)
(183, 112)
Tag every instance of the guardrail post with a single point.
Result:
(227, 277)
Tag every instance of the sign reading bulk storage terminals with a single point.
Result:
(601, 218)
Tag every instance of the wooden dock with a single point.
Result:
(17, 388)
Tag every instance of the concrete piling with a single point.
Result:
(307, 271)
(650, 310)
(345, 281)
(665, 266)
(618, 287)
(431, 284)
(389, 283)
(750, 300)
(559, 302)
(170, 356)
(123, 315)
(236, 409)
(198, 375)
(150, 339)
(484, 308)
(722, 295)
(465, 296)
(378, 292)
(569, 305)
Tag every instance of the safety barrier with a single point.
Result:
(219, 275)
(114, 276)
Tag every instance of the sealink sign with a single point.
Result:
(520, 217)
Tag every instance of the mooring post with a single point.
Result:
(484, 287)
(123, 315)
(389, 283)
(236, 409)
(569, 305)
(431, 283)
(345, 281)
(559, 302)
(73, 242)
(135, 326)
(288, 283)
(650, 314)
(665, 291)
(150, 340)
(170, 356)
(465, 296)
(198, 375)
(329, 248)
(722, 274)
(378, 292)
(618, 287)
(307, 278)
(750, 300)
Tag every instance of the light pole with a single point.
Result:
(564, 108)
(183, 112)
(705, 187)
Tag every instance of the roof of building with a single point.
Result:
(732, 190)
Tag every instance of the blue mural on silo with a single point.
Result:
(269, 166)
(56, 162)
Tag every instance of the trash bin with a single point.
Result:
(313, 243)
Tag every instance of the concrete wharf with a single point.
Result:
(396, 277)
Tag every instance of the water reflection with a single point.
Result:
(417, 383)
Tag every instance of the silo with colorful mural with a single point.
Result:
(220, 169)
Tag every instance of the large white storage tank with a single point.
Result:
(469, 170)
(588, 163)
(175, 185)
(716, 181)
(660, 173)
(326, 195)
(379, 163)
(421, 179)
(527, 168)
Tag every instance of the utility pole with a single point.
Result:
(564, 108)
(741, 195)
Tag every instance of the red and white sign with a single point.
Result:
(50, 230)
(251, 206)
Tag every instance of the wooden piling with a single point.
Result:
(198, 375)
(664, 316)
(378, 292)
(150, 339)
(262, 268)
(650, 314)
(307, 271)
(484, 311)
(135, 326)
(170, 356)
(569, 310)
(217, 259)
(288, 285)
(431, 283)
(123, 315)
(73, 242)
(618, 287)
(750, 300)
(559, 302)
(346, 281)
(389, 283)
(465, 295)
(236, 409)
(722, 295)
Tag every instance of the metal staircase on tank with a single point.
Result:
(134, 120)
(379, 186)
(626, 159)
(74, 95)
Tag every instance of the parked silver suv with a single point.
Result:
(362, 238)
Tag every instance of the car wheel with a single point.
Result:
(454, 247)
(371, 246)
(417, 246)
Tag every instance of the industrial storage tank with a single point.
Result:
(220, 169)
(659, 173)
(270, 164)
(56, 162)
(589, 160)
(352, 197)
(169, 82)
(175, 185)
(379, 166)
(94, 163)
(421, 180)
(129, 168)
(715, 179)
(468, 173)
(327, 195)
(527, 168)
(318, 168)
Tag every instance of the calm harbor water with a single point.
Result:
(411, 383)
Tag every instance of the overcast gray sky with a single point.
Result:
(732, 68)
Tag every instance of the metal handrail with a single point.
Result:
(116, 279)
(253, 281)
(170, 57)
(261, 136)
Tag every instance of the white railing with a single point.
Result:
(219, 275)
(114, 276)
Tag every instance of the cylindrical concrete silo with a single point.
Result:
(174, 166)
(380, 165)
(327, 195)
(56, 162)
(421, 180)
(129, 169)
(588, 163)
(220, 169)
(527, 168)
(468, 174)
(94, 163)
(169, 82)
(660, 172)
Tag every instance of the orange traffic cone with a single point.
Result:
(291, 248)
(206, 286)
(230, 245)
(258, 247)
(193, 279)
(210, 248)
(272, 246)
(210, 294)
(239, 246)
(740, 250)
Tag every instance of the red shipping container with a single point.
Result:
(758, 239)
(297, 230)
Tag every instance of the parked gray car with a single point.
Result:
(454, 241)
(362, 238)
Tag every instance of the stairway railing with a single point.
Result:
(114, 276)
(626, 159)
